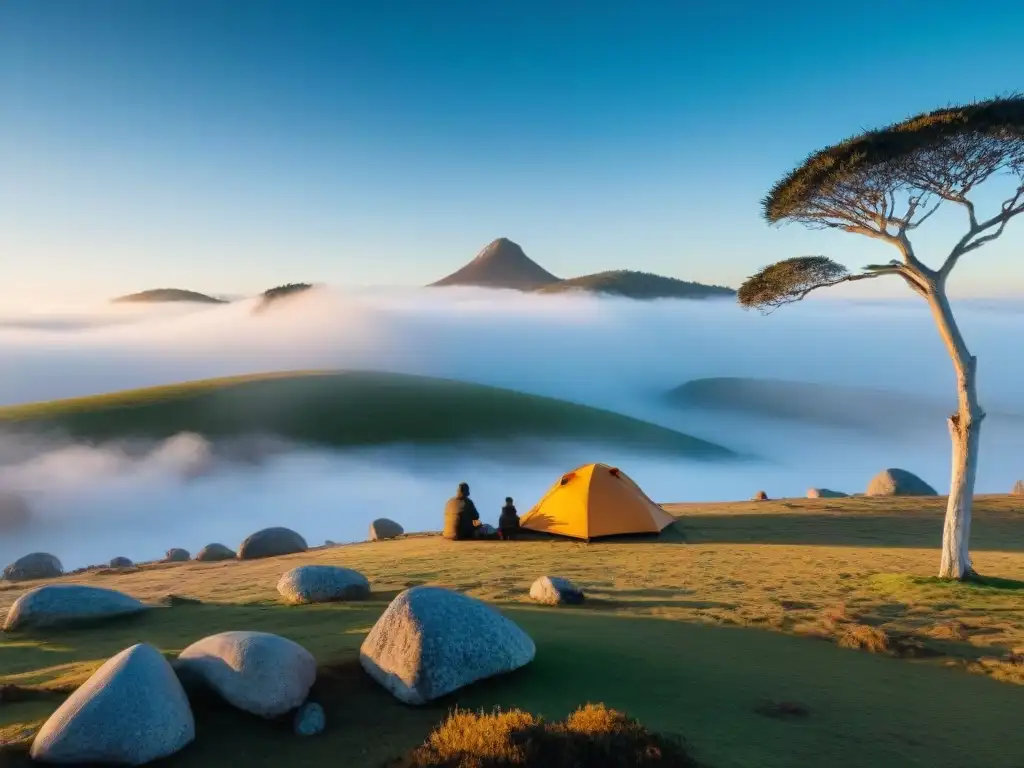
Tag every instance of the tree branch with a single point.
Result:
(1010, 208)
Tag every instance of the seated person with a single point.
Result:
(508, 523)
(460, 516)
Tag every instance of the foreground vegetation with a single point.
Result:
(769, 634)
(344, 409)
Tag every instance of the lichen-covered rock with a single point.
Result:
(382, 528)
(554, 590)
(212, 553)
(310, 719)
(177, 555)
(431, 641)
(15, 512)
(131, 711)
(825, 493)
(121, 562)
(258, 672)
(323, 584)
(55, 605)
(899, 482)
(38, 565)
(271, 542)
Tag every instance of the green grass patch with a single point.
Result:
(347, 409)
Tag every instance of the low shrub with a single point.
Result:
(591, 736)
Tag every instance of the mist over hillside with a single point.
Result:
(96, 501)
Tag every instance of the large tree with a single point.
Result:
(884, 184)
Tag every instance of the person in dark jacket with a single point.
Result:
(508, 523)
(460, 515)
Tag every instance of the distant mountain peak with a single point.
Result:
(501, 264)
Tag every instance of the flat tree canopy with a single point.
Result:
(886, 182)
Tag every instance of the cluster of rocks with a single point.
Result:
(135, 708)
(889, 482)
(268, 542)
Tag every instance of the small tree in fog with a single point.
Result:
(884, 184)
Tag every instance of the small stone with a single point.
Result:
(553, 590)
(310, 719)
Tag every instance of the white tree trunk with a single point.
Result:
(964, 432)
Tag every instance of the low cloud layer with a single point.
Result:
(94, 502)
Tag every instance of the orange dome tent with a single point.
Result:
(596, 500)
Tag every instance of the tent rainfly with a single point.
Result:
(596, 500)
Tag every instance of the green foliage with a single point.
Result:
(638, 285)
(789, 280)
(950, 149)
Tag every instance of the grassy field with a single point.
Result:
(715, 632)
(346, 409)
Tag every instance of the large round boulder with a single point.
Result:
(131, 711)
(212, 553)
(898, 482)
(1018, 488)
(177, 555)
(258, 672)
(271, 542)
(382, 528)
(14, 511)
(323, 584)
(121, 562)
(825, 493)
(38, 565)
(431, 641)
(554, 590)
(55, 605)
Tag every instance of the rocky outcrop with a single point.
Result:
(38, 565)
(55, 605)
(432, 641)
(177, 555)
(267, 675)
(121, 562)
(212, 553)
(323, 584)
(271, 542)
(825, 493)
(382, 528)
(898, 482)
(131, 711)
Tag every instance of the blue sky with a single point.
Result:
(228, 146)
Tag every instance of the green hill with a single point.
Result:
(163, 295)
(638, 285)
(347, 408)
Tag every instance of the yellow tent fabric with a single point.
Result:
(596, 500)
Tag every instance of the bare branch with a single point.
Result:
(976, 236)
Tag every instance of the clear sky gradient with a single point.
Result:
(231, 145)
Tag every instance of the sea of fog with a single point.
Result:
(91, 503)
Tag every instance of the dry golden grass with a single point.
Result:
(593, 735)
(687, 633)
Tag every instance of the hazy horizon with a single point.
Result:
(95, 502)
